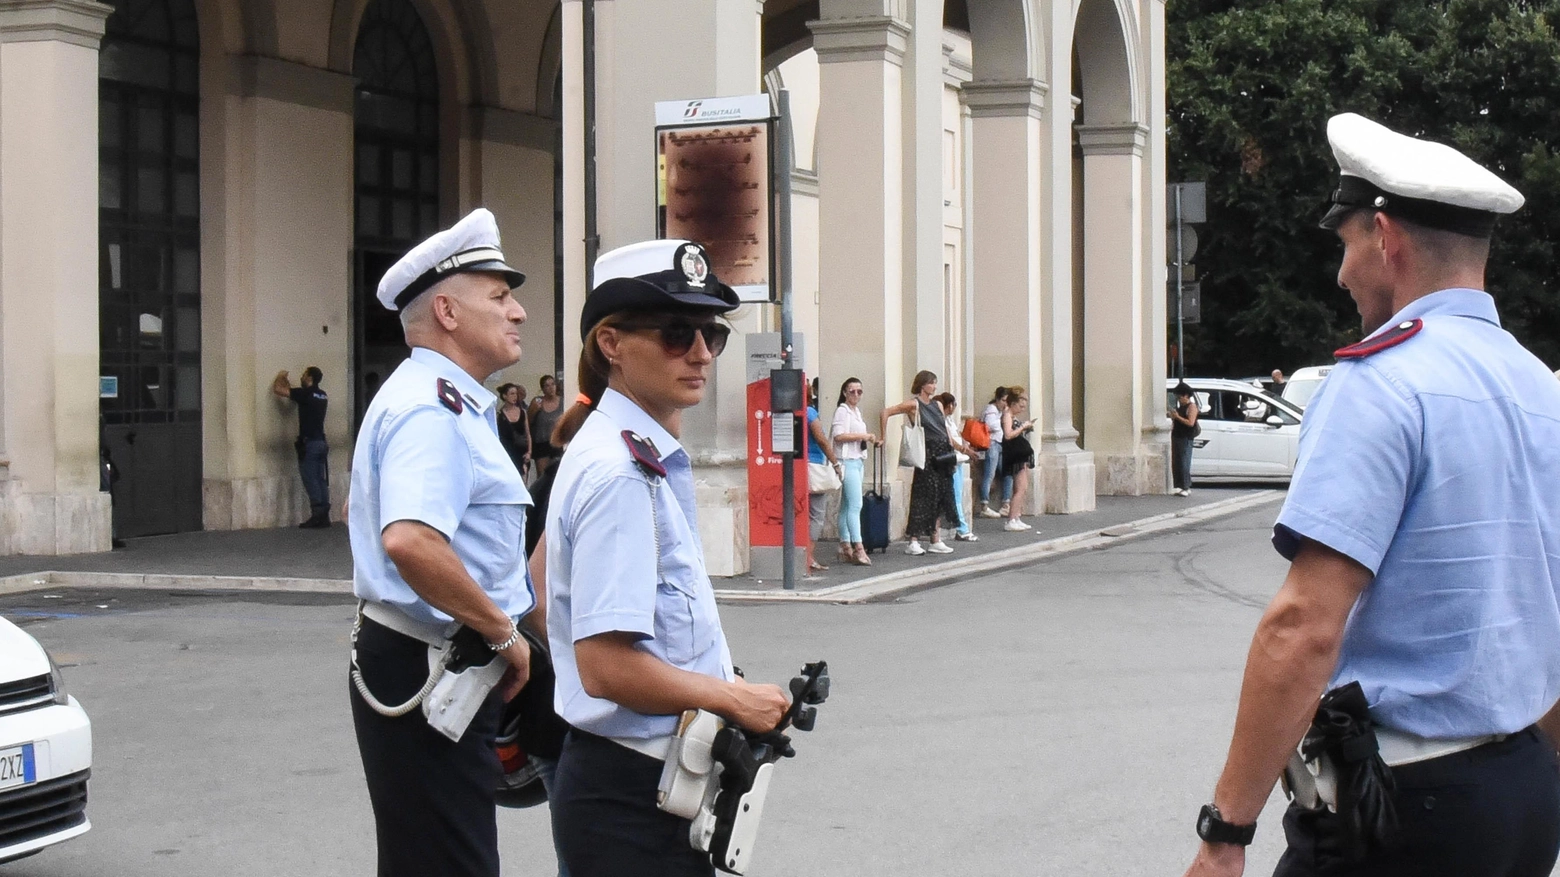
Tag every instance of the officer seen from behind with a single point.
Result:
(437, 522)
(1422, 527)
(313, 461)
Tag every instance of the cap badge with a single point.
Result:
(692, 263)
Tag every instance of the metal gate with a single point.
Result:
(149, 264)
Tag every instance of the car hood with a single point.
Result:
(20, 655)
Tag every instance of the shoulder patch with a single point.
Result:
(1390, 338)
(450, 396)
(646, 457)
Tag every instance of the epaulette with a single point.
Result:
(1390, 338)
(646, 457)
(450, 396)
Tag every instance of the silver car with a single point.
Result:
(1246, 432)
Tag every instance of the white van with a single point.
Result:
(1303, 384)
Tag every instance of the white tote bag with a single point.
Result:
(912, 444)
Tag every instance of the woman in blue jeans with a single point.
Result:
(851, 439)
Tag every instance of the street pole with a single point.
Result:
(1180, 330)
(783, 267)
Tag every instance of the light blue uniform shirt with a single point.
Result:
(1436, 465)
(418, 460)
(602, 572)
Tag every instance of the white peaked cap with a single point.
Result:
(1429, 183)
(470, 245)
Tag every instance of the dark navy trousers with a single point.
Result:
(314, 469)
(435, 807)
(605, 822)
(1492, 811)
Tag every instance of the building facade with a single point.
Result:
(979, 192)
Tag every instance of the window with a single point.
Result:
(149, 212)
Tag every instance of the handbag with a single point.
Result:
(975, 434)
(821, 478)
(912, 444)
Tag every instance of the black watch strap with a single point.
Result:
(1212, 828)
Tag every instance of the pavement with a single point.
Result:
(320, 561)
(1066, 717)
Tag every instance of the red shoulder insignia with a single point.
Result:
(646, 457)
(1390, 338)
(450, 396)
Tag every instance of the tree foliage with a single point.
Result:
(1251, 86)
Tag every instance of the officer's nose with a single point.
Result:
(516, 312)
(700, 351)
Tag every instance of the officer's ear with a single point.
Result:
(442, 307)
(610, 340)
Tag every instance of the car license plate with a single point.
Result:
(17, 767)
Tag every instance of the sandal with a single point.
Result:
(815, 566)
(861, 557)
(846, 554)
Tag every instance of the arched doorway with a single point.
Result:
(395, 173)
(149, 264)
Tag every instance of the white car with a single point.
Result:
(1246, 432)
(1303, 384)
(45, 750)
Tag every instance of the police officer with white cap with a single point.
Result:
(437, 521)
(635, 635)
(1423, 530)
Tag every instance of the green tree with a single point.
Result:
(1251, 86)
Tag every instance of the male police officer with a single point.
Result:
(313, 453)
(1423, 529)
(437, 527)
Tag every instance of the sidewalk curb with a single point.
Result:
(874, 589)
(889, 586)
(163, 582)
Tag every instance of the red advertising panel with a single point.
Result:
(765, 471)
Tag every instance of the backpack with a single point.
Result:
(975, 433)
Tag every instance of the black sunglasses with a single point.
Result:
(677, 335)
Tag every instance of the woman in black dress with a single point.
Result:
(544, 413)
(1018, 455)
(931, 490)
(514, 432)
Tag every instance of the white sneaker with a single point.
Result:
(1002, 512)
(914, 549)
(967, 537)
(986, 512)
(1015, 526)
(939, 548)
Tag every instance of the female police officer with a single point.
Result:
(634, 632)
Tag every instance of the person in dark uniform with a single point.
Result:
(313, 453)
(1423, 594)
(436, 523)
(635, 635)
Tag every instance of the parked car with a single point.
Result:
(45, 750)
(1246, 432)
(1303, 384)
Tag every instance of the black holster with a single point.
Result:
(1365, 819)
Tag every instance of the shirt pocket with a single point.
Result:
(685, 625)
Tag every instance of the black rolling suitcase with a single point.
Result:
(874, 507)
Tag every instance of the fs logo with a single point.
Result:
(693, 109)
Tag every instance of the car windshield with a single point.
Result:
(1300, 392)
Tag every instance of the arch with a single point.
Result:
(1003, 40)
(1105, 61)
(468, 68)
(549, 68)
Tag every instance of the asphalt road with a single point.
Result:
(1067, 718)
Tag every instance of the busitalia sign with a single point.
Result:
(714, 172)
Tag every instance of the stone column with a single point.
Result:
(861, 212)
(50, 502)
(277, 292)
(925, 324)
(1005, 153)
(1115, 319)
